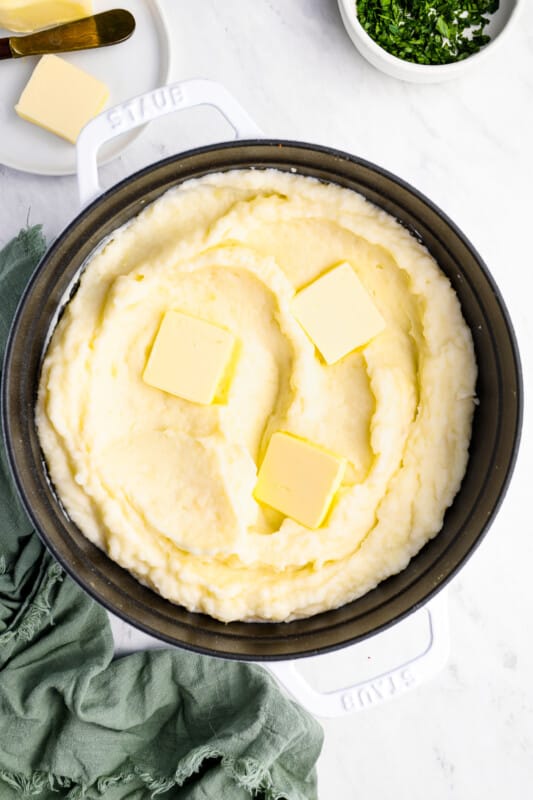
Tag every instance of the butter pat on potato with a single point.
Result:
(337, 313)
(189, 357)
(299, 479)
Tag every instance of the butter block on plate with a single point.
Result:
(189, 358)
(24, 16)
(337, 313)
(61, 98)
(299, 479)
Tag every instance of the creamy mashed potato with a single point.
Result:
(165, 486)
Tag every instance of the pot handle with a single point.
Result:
(146, 107)
(384, 686)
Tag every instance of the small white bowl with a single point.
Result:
(498, 29)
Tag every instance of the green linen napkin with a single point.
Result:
(76, 723)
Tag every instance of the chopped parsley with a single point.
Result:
(427, 31)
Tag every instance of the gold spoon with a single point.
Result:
(100, 30)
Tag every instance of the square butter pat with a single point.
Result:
(299, 479)
(337, 313)
(189, 357)
(61, 97)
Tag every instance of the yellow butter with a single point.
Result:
(189, 357)
(25, 16)
(299, 479)
(61, 97)
(337, 313)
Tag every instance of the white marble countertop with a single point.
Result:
(468, 145)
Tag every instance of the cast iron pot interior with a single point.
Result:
(492, 452)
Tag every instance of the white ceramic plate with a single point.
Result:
(131, 68)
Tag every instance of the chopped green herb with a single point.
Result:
(427, 31)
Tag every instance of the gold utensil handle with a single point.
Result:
(99, 30)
